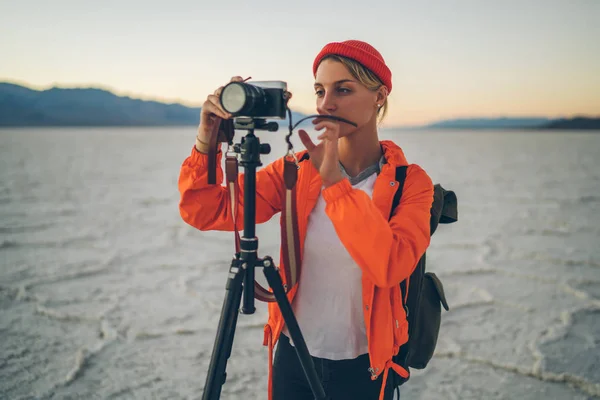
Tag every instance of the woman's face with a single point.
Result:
(340, 94)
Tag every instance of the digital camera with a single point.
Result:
(260, 99)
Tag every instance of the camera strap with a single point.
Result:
(231, 171)
(222, 132)
(289, 222)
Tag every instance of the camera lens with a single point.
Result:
(238, 98)
(233, 98)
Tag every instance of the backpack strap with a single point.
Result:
(411, 354)
(400, 178)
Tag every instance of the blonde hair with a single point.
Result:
(364, 76)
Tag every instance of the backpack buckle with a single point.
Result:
(373, 372)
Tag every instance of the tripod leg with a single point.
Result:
(290, 320)
(225, 332)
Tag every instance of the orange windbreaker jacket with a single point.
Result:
(387, 251)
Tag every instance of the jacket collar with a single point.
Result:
(393, 153)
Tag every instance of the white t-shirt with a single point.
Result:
(329, 303)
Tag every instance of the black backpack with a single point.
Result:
(426, 293)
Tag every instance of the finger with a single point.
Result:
(326, 124)
(331, 149)
(218, 91)
(216, 101)
(329, 134)
(210, 112)
(233, 79)
(322, 136)
(306, 141)
(320, 119)
(211, 105)
(320, 127)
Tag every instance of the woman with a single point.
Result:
(347, 300)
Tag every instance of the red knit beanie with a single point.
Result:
(361, 52)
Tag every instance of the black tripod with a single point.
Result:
(241, 276)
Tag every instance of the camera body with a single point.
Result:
(259, 99)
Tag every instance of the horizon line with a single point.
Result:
(189, 104)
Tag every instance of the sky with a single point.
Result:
(449, 58)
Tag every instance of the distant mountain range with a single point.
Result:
(518, 123)
(22, 106)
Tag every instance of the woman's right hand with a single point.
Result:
(211, 115)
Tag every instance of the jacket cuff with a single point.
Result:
(200, 160)
(335, 191)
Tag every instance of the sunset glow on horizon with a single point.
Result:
(448, 59)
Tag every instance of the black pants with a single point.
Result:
(341, 380)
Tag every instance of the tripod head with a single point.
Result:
(251, 124)
(250, 147)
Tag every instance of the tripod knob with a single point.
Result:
(265, 148)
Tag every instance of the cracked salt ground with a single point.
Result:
(106, 293)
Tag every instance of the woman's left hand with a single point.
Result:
(324, 155)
